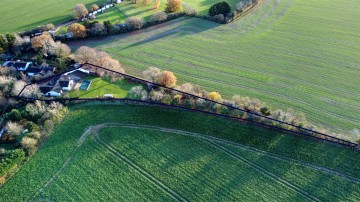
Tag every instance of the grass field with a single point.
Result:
(131, 10)
(291, 54)
(150, 153)
(18, 15)
(101, 86)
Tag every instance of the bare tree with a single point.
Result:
(29, 144)
(85, 54)
(79, 11)
(14, 129)
(152, 74)
(138, 93)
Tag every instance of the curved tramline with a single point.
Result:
(137, 152)
(215, 142)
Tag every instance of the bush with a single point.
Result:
(31, 126)
(134, 23)
(219, 18)
(159, 17)
(220, 8)
(173, 5)
(15, 157)
(189, 11)
(13, 115)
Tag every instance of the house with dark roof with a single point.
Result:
(40, 70)
(33, 71)
(20, 66)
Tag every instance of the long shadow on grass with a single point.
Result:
(180, 31)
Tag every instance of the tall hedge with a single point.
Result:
(222, 7)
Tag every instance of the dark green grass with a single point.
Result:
(62, 142)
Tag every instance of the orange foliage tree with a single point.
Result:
(167, 79)
(77, 30)
(173, 5)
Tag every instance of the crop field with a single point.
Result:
(303, 55)
(18, 15)
(117, 151)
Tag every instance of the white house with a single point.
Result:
(53, 93)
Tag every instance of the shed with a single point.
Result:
(108, 96)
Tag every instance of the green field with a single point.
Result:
(291, 54)
(135, 153)
(202, 6)
(18, 15)
(101, 86)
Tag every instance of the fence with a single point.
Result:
(299, 130)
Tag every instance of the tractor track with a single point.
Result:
(213, 141)
(265, 172)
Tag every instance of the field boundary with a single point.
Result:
(299, 129)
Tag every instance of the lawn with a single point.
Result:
(17, 15)
(146, 11)
(159, 154)
(302, 55)
(101, 86)
(113, 14)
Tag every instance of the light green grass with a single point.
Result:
(18, 15)
(113, 14)
(291, 54)
(101, 86)
(191, 167)
(146, 11)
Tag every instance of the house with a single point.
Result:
(66, 83)
(20, 66)
(50, 88)
(33, 71)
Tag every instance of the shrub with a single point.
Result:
(98, 29)
(134, 23)
(156, 4)
(29, 144)
(77, 30)
(173, 5)
(265, 111)
(94, 7)
(215, 96)
(13, 115)
(219, 18)
(159, 17)
(222, 7)
(31, 126)
(188, 10)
